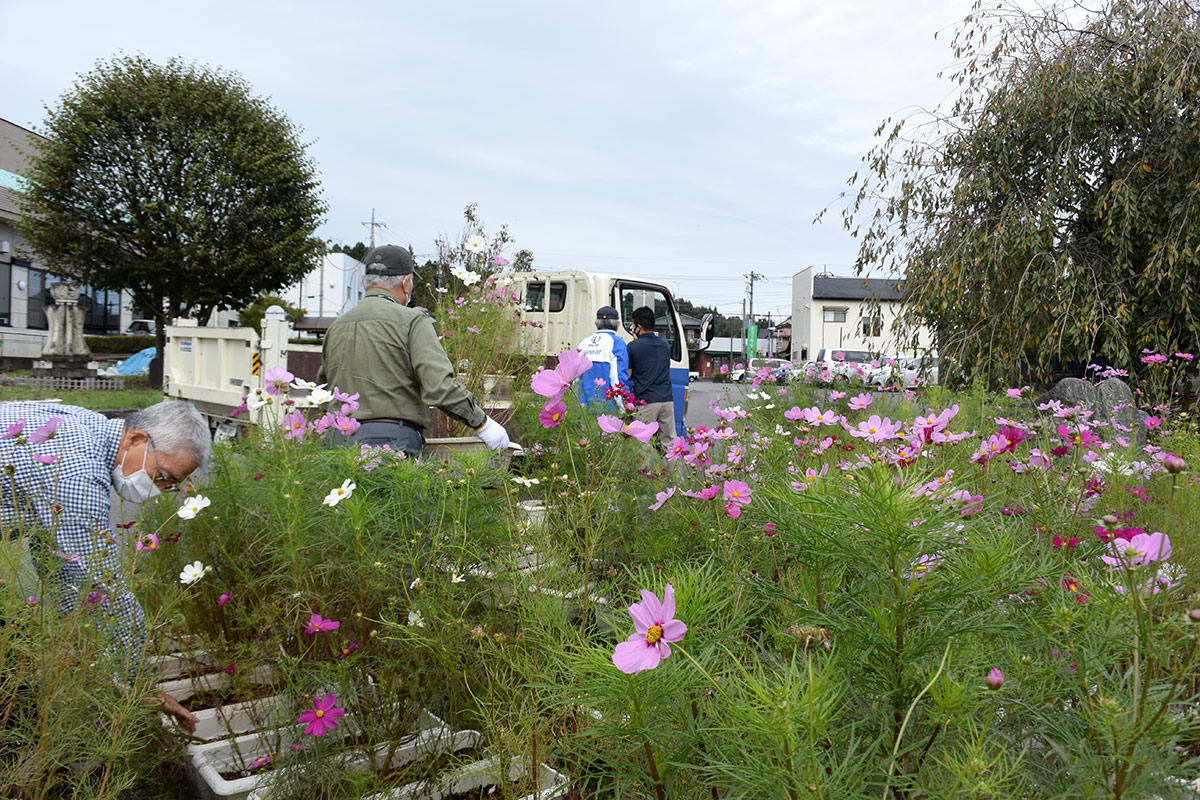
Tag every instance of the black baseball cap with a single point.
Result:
(607, 312)
(390, 260)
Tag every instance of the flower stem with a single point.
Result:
(896, 748)
(659, 790)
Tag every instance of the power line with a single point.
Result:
(373, 225)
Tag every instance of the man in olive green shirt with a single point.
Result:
(392, 357)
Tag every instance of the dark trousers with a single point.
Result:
(375, 433)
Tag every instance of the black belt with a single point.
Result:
(394, 421)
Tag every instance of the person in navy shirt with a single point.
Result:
(650, 375)
(610, 360)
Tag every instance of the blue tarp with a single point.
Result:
(137, 364)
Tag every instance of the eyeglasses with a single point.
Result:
(162, 479)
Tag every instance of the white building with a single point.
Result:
(332, 288)
(830, 312)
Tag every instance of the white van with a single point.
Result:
(560, 306)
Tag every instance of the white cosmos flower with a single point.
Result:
(526, 482)
(415, 618)
(466, 276)
(457, 578)
(320, 397)
(339, 494)
(305, 386)
(257, 401)
(193, 506)
(476, 244)
(192, 573)
(415, 583)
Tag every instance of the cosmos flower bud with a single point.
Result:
(1174, 464)
(995, 679)
(1194, 615)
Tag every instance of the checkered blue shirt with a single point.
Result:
(63, 507)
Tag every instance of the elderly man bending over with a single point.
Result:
(60, 462)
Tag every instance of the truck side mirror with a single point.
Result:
(706, 330)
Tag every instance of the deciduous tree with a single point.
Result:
(172, 181)
(1050, 212)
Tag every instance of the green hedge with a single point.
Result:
(119, 344)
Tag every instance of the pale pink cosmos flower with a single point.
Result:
(294, 425)
(836, 395)
(654, 627)
(860, 401)
(876, 429)
(346, 425)
(660, 498)
(610, 424)
(642, 431)
(45, 459)
(322, 716)
(277, 380)
(14, 430)
(46, 432)
(323, 423)
(1143, 548)
(793, 414)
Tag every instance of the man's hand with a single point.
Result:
(184, 717)
(493, 435)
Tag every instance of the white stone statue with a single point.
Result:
(65, 318)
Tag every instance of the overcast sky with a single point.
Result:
(690, 142)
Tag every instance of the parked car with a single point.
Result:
(141, 326)
(905, 373)
(754, 365)
(834, 363)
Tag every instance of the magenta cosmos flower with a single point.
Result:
(654, 627)
(552, 413)
(315, 623)
(322, 716)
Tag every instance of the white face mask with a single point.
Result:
(136, 488)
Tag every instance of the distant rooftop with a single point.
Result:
(856, 289)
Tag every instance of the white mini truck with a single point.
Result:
(563, 305)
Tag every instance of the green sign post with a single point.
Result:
(752, 341)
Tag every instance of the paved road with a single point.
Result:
(700, 393)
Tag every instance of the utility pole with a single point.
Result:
(373, 225)
(750, 279)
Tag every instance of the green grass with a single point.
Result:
(135, 396)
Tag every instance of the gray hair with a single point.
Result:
(175, 426)
(606, 324)
(385, 281)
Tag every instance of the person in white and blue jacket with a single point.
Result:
(610, 360)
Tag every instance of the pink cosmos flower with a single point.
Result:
(45, 432)
(860, 401)
(277, 380)
(1153, 423)
(45, 459)
(148, 543)
(679, 447)
(323, 423)
(294, 425)
(660, 498)
(836, 395)
(793, 414)
(315, 624)
(346, 425)
(610, 424)
(554, 383)
(552, 413)
(654, 626)
(224, 598)
(733, 510)
(1016, 392)
(876, 429)
(707, 493)
(322, 716)
(724, 369)
(737, 492)
(1185, 356)
(1083, 437)
(1140, 549)
(14, 430)
(810, 477)
(642, 431)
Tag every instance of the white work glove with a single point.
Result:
(493, 435)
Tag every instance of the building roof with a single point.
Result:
(856, 289)
(684, 320)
